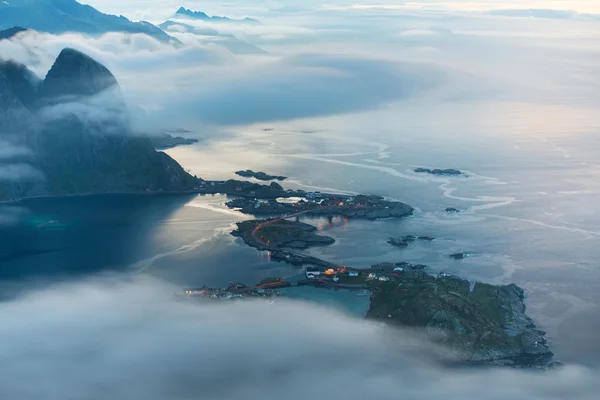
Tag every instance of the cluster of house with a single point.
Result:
(334, 274)
(373, 276)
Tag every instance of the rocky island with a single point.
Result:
(406, 240)
(361, 206)
(166, 141)
(280, 234)
(261, 176)
(459, 256)
(479, 323)
(449, 171)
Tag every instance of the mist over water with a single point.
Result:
(108, 338)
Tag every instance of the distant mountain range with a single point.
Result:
(199, 15)
(59, 16)
(209, 35)
(75, 153)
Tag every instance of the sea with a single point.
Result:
(529, 204)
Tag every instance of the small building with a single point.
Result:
(336, 278)
(312, 272)
(398, 270)
(372, 276)
(384, 278)
(353, 273)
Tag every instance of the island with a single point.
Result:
(406, 240)
(452, 210)
(459, 256)
(449, 171)
(279, 233)
(323, 204)
(166, 141)
(261, 176)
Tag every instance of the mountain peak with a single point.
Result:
(187, 13)
(193, 14)
(10, 32)
(76, 74)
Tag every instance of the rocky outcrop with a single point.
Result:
(280, 234)
(449, 171)
(480, 323)
(78, 144)
(406, 240)
(261, 176)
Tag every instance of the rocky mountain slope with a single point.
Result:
(74, 150)
(59, 16)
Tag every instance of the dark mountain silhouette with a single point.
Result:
(75, 151)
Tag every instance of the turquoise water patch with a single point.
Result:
(351, 302)
(46, 222)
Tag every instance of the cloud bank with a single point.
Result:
(134, 340)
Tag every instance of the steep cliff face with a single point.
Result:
(78, 151)
(17, 92)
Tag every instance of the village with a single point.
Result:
(331, 278)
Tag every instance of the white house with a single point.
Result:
(336, 278)
(311, 273)
(353, 273)
(384, 278)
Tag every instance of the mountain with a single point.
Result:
(59, 16)
(75, 151)
(11, 32)
(212, 36)
(199, 15)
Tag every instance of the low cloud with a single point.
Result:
(10, 151)
(19, 172)
(10, 215)
(309, 85)
(133, 340)
(204, 83)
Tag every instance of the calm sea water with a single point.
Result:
(530, 208)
